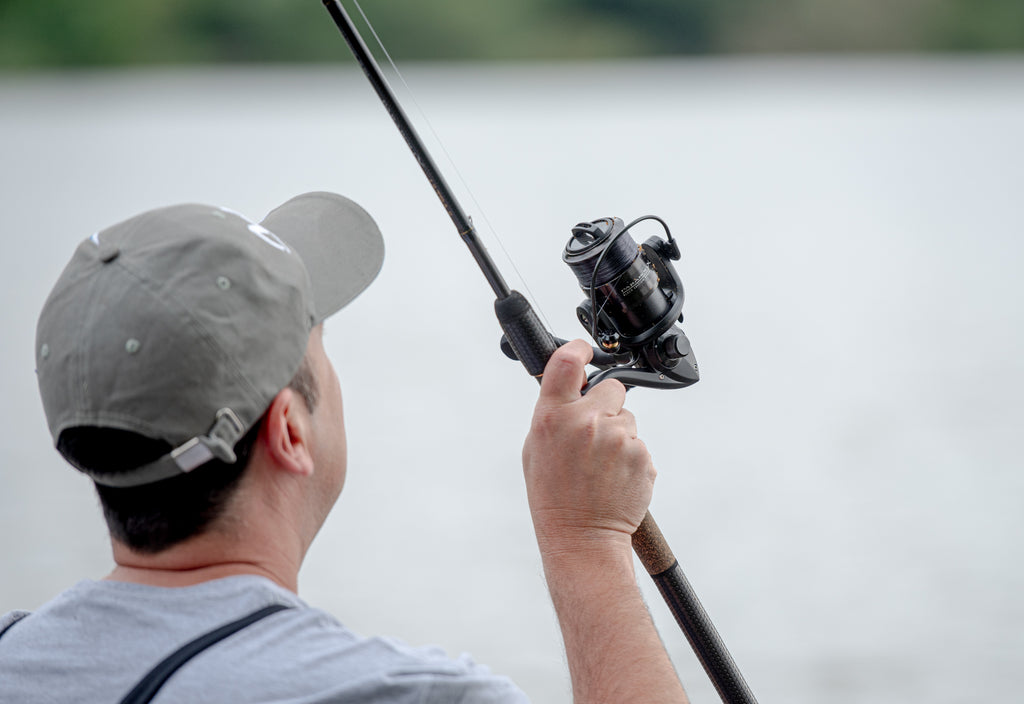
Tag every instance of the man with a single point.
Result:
(182, 368)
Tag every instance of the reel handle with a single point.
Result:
(601, 360)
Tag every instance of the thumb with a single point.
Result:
(565, 373)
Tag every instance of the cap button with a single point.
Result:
(109, 253)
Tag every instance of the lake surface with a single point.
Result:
(843, 487)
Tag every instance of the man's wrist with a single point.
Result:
(586, 550)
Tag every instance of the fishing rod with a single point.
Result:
(634, 300)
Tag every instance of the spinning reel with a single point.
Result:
(634, 300)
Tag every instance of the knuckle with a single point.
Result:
(617, 444)
(569, 355)
(641, 455)
(589, 426)
(545, 420)
(616, 386)
(612, 389)
(562, 361)
(564, 421)
(620, 441)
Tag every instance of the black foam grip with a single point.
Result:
(530, 340)
(703, 637)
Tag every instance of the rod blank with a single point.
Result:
(462, 223)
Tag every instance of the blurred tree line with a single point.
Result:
(120, 32)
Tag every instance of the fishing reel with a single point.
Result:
(634, 302)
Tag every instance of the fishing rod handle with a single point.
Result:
(528, 337)
(656, 556)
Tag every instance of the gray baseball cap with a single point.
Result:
(183, 323)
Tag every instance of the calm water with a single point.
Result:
(843, 487)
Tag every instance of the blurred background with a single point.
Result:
(123, 32)
(843, 487)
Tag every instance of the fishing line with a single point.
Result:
(451, 162)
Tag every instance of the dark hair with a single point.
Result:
(153, 517)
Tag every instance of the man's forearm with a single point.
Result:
(590, 479)
(613, 649)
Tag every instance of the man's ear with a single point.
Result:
(286, 433)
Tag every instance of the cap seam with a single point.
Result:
(81, 354)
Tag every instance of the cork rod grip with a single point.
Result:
(651, 547)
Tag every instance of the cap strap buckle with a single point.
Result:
(219, 442)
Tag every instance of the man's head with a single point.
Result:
(168, 336)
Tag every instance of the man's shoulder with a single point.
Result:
(299, 651)
(10, 618)
(322, 660)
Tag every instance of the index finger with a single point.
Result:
(565, 373)
(609, 395)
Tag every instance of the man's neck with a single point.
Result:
(203, 559)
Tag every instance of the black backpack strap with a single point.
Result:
(149, 685)
(17, 617)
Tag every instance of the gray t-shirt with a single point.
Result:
(95, 641)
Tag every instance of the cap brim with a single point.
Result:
(338, 241)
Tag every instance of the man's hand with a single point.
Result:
(589, 480)
(588, 477)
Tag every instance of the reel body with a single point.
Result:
(634, 302)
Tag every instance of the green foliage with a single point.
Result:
(667, 26)
(979, 25)
(63, 33)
